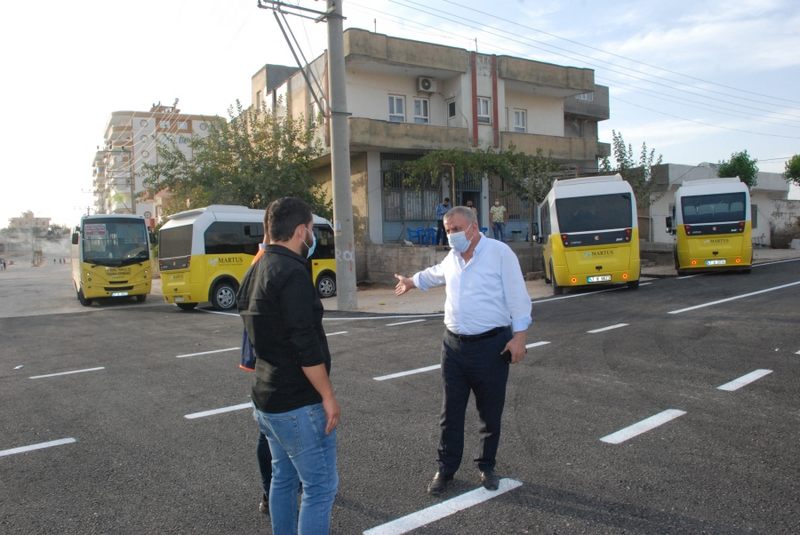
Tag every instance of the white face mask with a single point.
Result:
(458, 241)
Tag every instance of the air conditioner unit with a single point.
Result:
(426, 84)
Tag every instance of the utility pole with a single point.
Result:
(340, 139)
(340, 163)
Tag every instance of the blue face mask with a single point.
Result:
(458, 241)
(313, 246)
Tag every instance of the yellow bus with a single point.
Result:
(204, 253)
(111, 258)
(712, 227)
(589, 231)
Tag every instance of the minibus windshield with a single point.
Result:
(715, 208)
(115, 242)
(594, 212)
(175, 242)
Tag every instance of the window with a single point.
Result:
(484, 115)
(397, 109)
(164, 124)
(715, 208)
(451, 109)
(223, 237)
(594, 212)
(421, 115)
(520, 120)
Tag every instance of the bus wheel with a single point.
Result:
(544, 270)
(85, 302)
(326, 285)
(633, 284)
(186, 306)
(141, 298)
(224, 296)
(557, 290)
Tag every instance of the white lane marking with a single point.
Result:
(536, 344)
(409, 372)
(645, 283)
(212, 412)
(744, 380)
(207, 352)
(19, 367)
(571, 296)
(689, 276)
(218, 312)
(642, 427)
(404, 323)
(66, 373)
(609, 328)
(734, 298)
(775, 262)
(39, 446)
(441, 510)
(797, 353)
(337, 332)
(399, 316)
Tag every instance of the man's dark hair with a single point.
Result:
(283, 215)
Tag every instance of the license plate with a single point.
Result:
(179, 299)
(119, 294)
(599, 278)
(720, 262)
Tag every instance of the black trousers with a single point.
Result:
(472, 365)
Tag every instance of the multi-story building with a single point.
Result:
(27, 221)
(408, 97)
(131, 140)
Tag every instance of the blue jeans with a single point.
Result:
(301, 452)
(497, 229)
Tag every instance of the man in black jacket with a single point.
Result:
(294, 401)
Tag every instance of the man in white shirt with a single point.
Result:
(487, 313)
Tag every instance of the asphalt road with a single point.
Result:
(132, 462)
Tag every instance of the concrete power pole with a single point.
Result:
(340, 163)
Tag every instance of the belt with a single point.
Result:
(473, 337)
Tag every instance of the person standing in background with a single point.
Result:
(441, 209)
(499, 217)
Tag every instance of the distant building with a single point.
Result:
(131, 140)
(406, 98)
(770, 208)
(28, 222)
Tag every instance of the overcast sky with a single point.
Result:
(695, 80)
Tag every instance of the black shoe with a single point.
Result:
(489, 480)
(438, 484)
(263, 505)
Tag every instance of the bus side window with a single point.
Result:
(325, 246)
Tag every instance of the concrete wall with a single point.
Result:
(545, 114)
(384, 261)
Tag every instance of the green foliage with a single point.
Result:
(636, 172)
(530, 176)
(792, 172)
(740, 165)
(251, 160)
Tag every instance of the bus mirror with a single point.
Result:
(75, 237)
(535, 229)
(153, 237)
(669, 223)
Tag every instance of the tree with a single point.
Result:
(792, 173)
(637, 173)
(252, 159)
(740, 165)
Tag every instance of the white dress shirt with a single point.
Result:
(484, 293)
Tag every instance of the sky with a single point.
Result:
(695, 80)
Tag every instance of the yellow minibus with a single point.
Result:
(589, 231)
(204, 253)
(712, 227)
(111, 258)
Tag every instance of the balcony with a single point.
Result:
(372, 134)
(597, 108)
(559, 148)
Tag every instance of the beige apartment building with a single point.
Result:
(131, 140)
(407, 97)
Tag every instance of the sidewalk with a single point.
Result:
(378, 299)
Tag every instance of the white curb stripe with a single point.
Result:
(203, 414)
(207, 352)
(735, 297)
(403, 323)
(409, 372)
(66, 373)
(609, 328)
